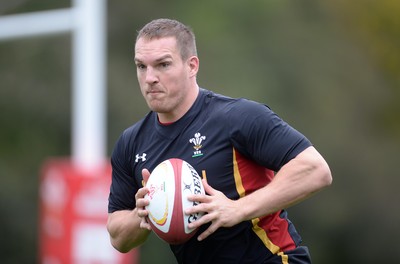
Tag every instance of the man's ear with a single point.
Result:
(193, 63)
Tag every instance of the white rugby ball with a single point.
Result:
(169, 185)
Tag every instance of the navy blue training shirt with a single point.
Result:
(238, 144)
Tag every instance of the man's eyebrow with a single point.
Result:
(157, 60)
(164, 58)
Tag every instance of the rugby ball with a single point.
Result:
(169, 185)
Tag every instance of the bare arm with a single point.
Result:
(124, 229)
(297, 180)
(128, 228)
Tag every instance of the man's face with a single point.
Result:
(163, 77)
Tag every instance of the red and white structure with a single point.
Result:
(74, 191)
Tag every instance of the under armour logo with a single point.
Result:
(140, 157)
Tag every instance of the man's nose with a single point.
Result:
(151, 76)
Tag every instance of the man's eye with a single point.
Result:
(165, 64)
(140, 66)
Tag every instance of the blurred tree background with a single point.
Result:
(329, 68)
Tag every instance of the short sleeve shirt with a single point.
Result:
(238, 145)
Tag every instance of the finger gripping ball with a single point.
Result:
(169, 185)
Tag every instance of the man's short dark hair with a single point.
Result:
(163, 27)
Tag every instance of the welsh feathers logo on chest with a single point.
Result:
(197, 144)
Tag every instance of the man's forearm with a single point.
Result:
(297, 180)
(124, 229)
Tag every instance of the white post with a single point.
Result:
(87, 21)
(89, 96)
(36, 23)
